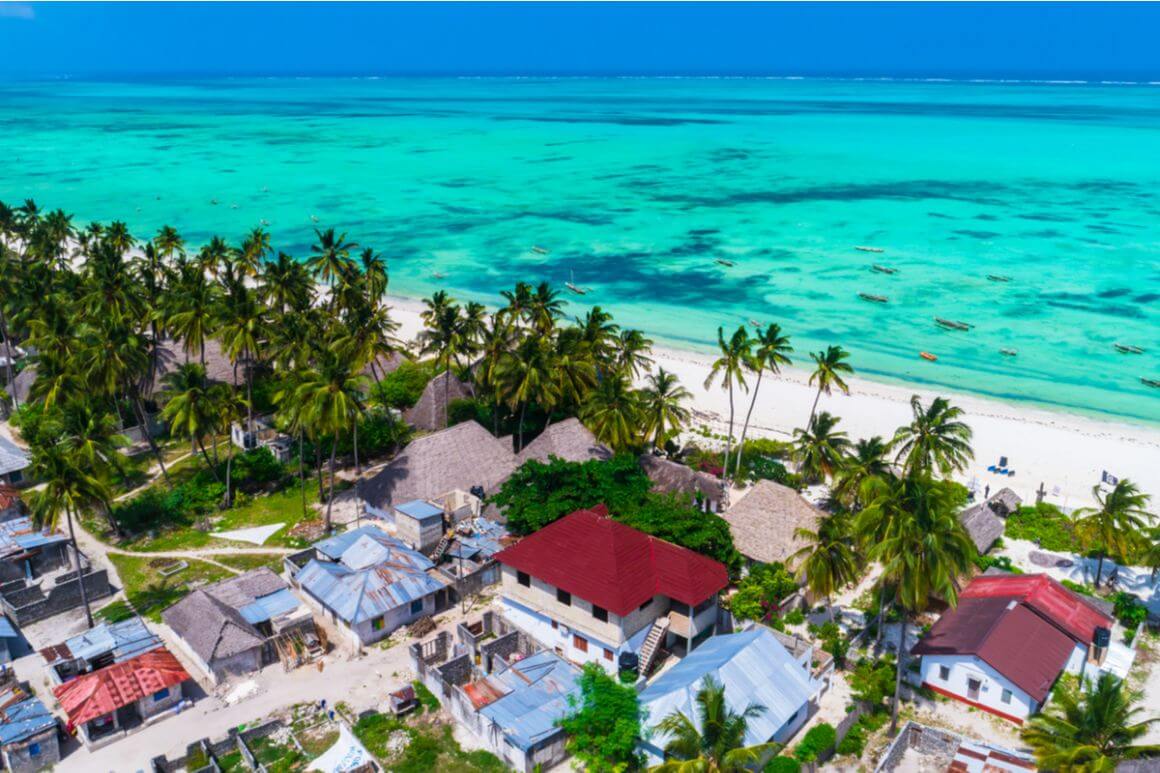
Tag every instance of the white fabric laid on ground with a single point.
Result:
(256, 535)
(347, 753)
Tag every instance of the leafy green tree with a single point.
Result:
(1090, 729)
(613, 412)
(191, 411)
(604, 723)
(716, 740)
(935, 440)
(867, 459)
(760, 593)
(730, 367)
(771, 351)
(821, 448)
(829, 367)
(1112, 527)
(827, 560)
(662, 402)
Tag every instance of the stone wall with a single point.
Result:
(31, 604)
(504, 647)
(18, 757)
(928, 740)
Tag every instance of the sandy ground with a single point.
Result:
(1060, 451)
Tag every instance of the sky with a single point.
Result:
(1033, 40)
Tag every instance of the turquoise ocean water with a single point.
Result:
(637, 186)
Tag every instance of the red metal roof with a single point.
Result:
(1067, 610)
(1025, 627)
(107, 689)
(612, 565)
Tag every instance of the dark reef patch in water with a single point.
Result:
(1147, 297)
(1117, 292)
(977, 234)
(1077, 302)
(905, 190)
(618, 120)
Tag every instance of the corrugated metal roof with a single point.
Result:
(537, 691)
(19, 535)
(7, 630)
(365, 594)
(125, 640)
(270, 606)
(487, 539)
(419, 510)
(107, 689)
(12, 457)
(22, 715)
(754, 668)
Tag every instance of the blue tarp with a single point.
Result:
(24, 719)
(753, 666)
(539, 687)
(270, 606)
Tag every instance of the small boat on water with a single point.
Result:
(571, 285)
(952, 324)
(264, 221)
(1127, 349)
(539, 250)
(883, 269)
(314, 218)
(864, 248)
(755, 323)
(1008, 352)
(438, 275)
(873, 298)
(927, 356)
(998, 278)
(1152, 382)
(723, 262)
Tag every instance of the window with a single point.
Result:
(644, 606)
(161, 695)
(1006, 697)
(377, 624)
(580, 643)
(33, 750)
(607, 654)
(523, 579)
(564, 597)
(600, 613)
(944, 673)
(555, 625)
(416, 606)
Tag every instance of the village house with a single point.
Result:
(100, 646)
(107, 704)
(368, 583)
(430, 411)
(28, 731)
(592, 589)
(13, 462)
(241, 624)
(706, 491)
(1011, 637)
(38, 575)
(765, 520)
(754, 668)
(985, 521)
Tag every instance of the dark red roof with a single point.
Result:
(612, 565)
(107, 689)
(1067, 610)
(1025, 627)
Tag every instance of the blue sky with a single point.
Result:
(1080, 40)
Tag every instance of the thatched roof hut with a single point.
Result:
(430, 413)
(568, 440)
(985, 521)
(763, 522)
(457, 458)
(671, 477)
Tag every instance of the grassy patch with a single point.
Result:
(426, 698)
(244, 562)
(430, 747)
(1046, 524)
(150, 592)
(278, 758)
(232, 763)
(115, 612)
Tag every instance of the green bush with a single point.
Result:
(402, 387)
(817, 741)
(1129, 611)
(257, 467)
(783, 764)
(872, 681)
(761, 591)
(425, 697)
(1046, 524)
(1080, 588)
(795, 617)
(985, 562)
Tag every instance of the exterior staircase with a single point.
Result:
(441, 548)
(652, 644)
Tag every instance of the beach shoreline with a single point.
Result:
(1065, 452)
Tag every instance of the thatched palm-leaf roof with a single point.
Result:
(568, 440)
(671, 477)
(429, 413)
(984, 521)
(763, 522)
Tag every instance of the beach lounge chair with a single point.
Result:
(1002, 461)
(993, 468)
(1011, 474)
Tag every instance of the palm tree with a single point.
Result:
(1090, 729)
(912, 527)
(374, 271)
(829, 367)
(1111, 527)
(730, 367)
(443, 336)
(67, 490)
(717, 746)
(612, 412)
(827, 559)
(331, 258)
(526, 376)
(230, 409)
(662, 403)
(191, 409)
(632, 353)
(935, 440)
(771, 351)
(820, 450)
(866, 460)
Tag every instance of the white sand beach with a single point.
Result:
(1066, 453)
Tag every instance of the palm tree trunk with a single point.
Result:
(520, 442)
(446, 392)
(898, 677)
(814, 409)
(729, 439)
(229, 477)
(357, 466)
(250, 391)
(358, 471)
(745, 426)
(881, 612)
(318, 468)
(330, 493)
(77, 562)
(1099, 569)
(302, 473)
(212, 467)
(8, 352)
(139, 406)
